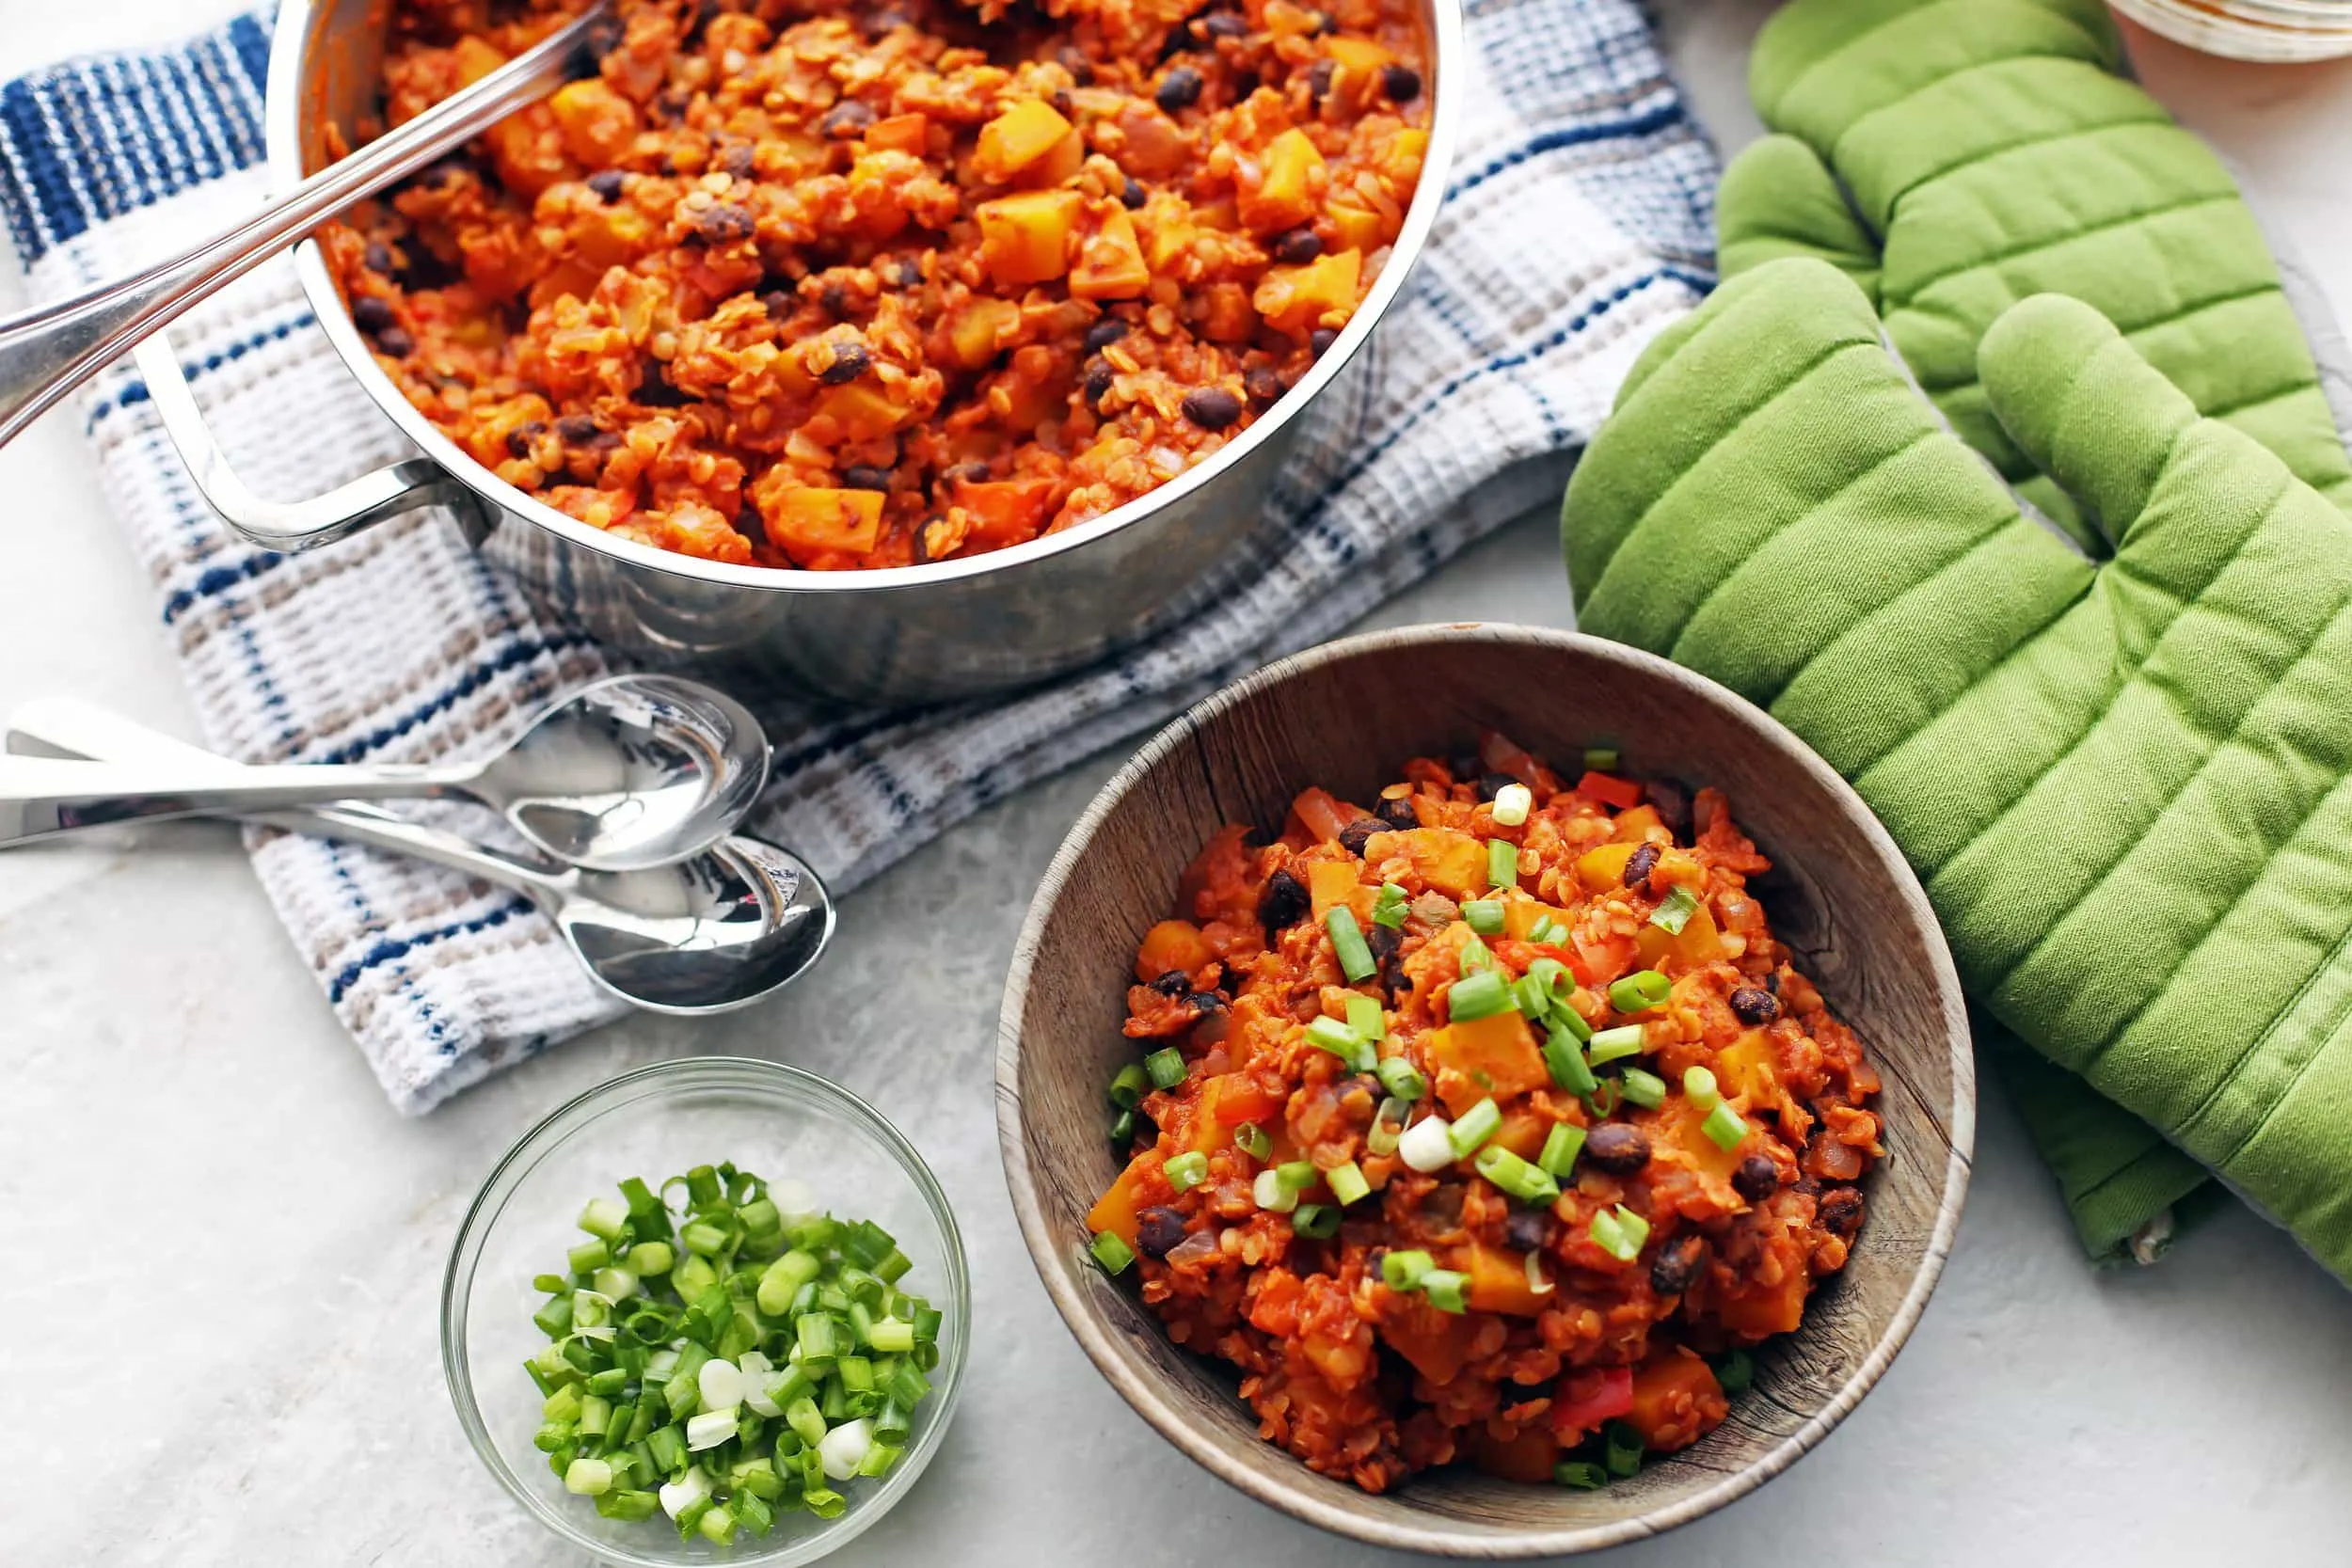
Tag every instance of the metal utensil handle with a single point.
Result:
(79, 729)
(40, 796)
(45, 353)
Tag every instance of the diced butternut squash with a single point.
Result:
(1676, 1402)
(1016, 138)
(475, 57)
(1321, 293)
(1699, 943)
(612, 235)
(1117, 1210)
(1494, 1056)
(1331, 882)
(1749, 1066)
(1228, 1101)
(1636, 823)
(1522, 1133)
(1437, 1343)
(1007, 511)
(1766, 1310)
(864, 412)
(1289, 186)
(1356, 227)
(1172, 946)
(1497, 1280)
(1520, 913)
(1526, 1457)
(1110, 262)
(978, 329)
(1684, 1127)
(1024, 238)
(807, 519)
(1356, 53)
(1603, 868)
(597, 122)
(1453, 863)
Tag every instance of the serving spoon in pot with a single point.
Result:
(45, 353)
(709, 934)
(627, 773)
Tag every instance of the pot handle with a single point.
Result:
(287, 525)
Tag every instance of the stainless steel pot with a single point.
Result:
(950, 629)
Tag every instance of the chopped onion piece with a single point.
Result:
(720, 1383)
(680, 1494)
(710, 1429)
(759, 1377)
(844, 1447)
(1427, 1145)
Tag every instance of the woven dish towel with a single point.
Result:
(1578, 223)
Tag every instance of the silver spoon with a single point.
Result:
(627, 773)
(713, 933)
(45, 353)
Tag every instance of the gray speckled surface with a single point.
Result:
(219, 1346)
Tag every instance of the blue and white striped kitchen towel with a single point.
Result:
(1578, 223)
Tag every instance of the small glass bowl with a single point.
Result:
(655, 1122)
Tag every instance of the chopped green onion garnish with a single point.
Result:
(1484, 916)
(1347, 944)
(1699, 1086)
(1603, 1100)
(1475, 955)
(1578, 1473)
(1346, 1181)
(1680, 904)
(1109, 1251)
(1642, 990)
(1272, 1194)
(1724, 1127)
(1530, 997)
(1317, 1220)
(1551, 977)
(1566, 1017)
(1547, 931)
(1447, 1291)
(1401, 1079)
(1251, 1140)
(1564, 1060)
(1609, 1045)
(1387, 1125)
(1122, 1127)
(1129, 1086)
(1636, 1229)
(604, 1218)
(1734, 1371)
(1365, 1017)
(1298, 1174)
(1507, 1170)
(1502, 863)
(1561, 1147)
(1387, 906)
(1166, 1066)
(1186, 1171)
(1405, 1271)
(1476, 996)
(1608, 1236)
(1621, 1449)
(1513, 801)
(1473, 1127)
(1600, 759)
(1645, 1089)
(1326, 1033)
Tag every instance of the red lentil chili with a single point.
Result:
(1490, 1124)
(794, 284)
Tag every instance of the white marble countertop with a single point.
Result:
(220, 1333)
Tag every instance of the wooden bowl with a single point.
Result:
(1346, 716)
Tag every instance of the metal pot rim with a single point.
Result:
(284, 140)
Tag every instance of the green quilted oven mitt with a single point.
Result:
(2123, 783)
(1954, 156)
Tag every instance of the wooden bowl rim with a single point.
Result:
(1147, 1395)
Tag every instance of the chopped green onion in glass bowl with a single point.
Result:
(762, 1154)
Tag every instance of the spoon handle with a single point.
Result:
(42, 797)
(85, 731)
(45, 353)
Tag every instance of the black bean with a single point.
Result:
(1283, 902)
(1179, 89)
(1757, 1179)
(1639, 865)
(779, 303)
(1158, 1230)
(1224, 24)
(607, 184)
(1319, 80)
(1755, 1006)
(835, 297)
(1205, 1002)
(602, 38)
(738, 159)
(520, 439)
(396, 342)
(910, 275)
(1297, 246)
(1492, 784)
(750, 524)
(1527, 1229)
(437, 175)
(655, 390)
(1244, 83)
(1097, 384)
(1397, 811)
(1841, 1211)
(1073, 60)
(723, 224)
(379, 258)
(1174, 983)
(575, 430)
(1384, 941)
(1677, 1264)
(1402, 83)
(927, 540)
(1263, 386)
(1132, 195)
(846, 120)
(850, 361)
(1357, 834)
(1211, 407)
(371, 313)
(864, 476)
(1103, 334)
(1326, 24)
(1617, 1148)
(1320, 339)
